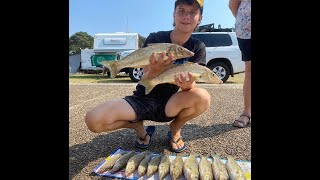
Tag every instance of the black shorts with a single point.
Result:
(149, 108)
(245, 48)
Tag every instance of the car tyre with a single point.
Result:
(135, 74)
(220, 69)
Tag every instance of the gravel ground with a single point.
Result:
(210, 132)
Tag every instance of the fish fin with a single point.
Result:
(112, 66)
(189, 62)
(152, 44)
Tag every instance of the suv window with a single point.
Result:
(214, 40)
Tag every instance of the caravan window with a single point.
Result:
(119, 41)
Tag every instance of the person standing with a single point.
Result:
(241, 10)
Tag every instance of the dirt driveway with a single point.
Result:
(210, 132)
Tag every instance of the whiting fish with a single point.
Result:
(191, 168)
(153, 165)
(234, 170)
(133, 163)
(140, 57)
(218, 168)
(176, 167)
(110, 162)
(200, 73)
(142, 168)
(122, 162)
(205, 169)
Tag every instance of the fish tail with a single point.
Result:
(113, 68)
(148, 84)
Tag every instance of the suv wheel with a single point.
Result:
(135, 74)
(221, 70)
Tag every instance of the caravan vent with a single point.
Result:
(119, 41)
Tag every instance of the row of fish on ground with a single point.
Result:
(140, 58)
(192, 167)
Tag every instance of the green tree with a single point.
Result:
(80, 40)
(141, 41)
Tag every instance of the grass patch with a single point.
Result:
(97, 78)
(236, 79)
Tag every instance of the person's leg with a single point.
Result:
(245, 117)
(186, 105)
(113, 115)
(243, 120)
(247, 88)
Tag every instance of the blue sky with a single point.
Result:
(139, 16)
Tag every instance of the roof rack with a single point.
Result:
(210, 28)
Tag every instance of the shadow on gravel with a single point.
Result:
(81, 155)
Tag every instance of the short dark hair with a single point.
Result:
(189, 2)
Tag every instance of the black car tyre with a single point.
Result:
(135, 74)
(220, 69)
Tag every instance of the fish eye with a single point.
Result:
(180, 48)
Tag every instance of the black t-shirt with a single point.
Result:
(192, 44)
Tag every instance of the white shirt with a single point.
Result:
(243, 20)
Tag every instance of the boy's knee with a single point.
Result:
(92, 122)
(204, 99)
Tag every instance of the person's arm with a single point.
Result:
(157, 65)
(199, 58)
(233, 6)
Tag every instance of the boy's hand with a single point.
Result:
(185, 82)
(158, 63)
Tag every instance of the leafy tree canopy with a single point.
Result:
(80, 40)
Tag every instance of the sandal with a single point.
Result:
(242, 123)
(150, 130)
(176, 142)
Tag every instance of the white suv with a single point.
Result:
(223, 55)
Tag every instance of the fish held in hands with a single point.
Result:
(200, 73)
(140, 57)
